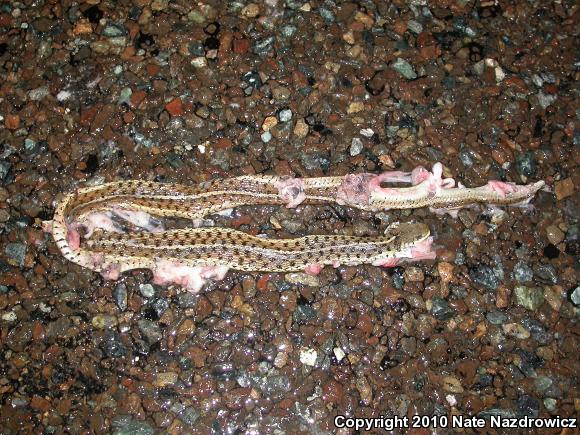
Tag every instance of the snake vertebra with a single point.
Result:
(209, 252)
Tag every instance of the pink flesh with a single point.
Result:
(47, 226)
(423, 250)
(291, 190)
(192, 278)
(73, 237)
(391, 262)
(501, 187)
(356, 188)
(420, 251)
(111, 271)
(140, 219)
(453, 212)
(100, 220)
(314, 269)
(419, 175)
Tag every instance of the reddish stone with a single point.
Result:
(263, 282)
(88, 115)
(152, 69)
(332, 392)
(175, 107)
(12, 122)
(137, 97)
(224, 143)
(430, 52)
(241, 46)
(40, 404)
(242, 220)
(400, 27)
(38, 331)
(128, 117)
(225, 42)
(365, 323)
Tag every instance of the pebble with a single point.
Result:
(302, 279)
(529, 297)
(308, 356)
(515, 330)
(285, 115)
(564, 188)
(413, 274)
(301, 129)
(404, 68)
(486, 276)
(269, 122)
(356, 146)
(146, 290)
(554, 234)
(452, 385)
(16, 253)
(522, 272)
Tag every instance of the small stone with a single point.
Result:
(445, 271)
(486, 276)
(550, 404)
(414, 274)
(104, 321)
(339, 354)
(281, 359)
(415, 26)
(302, 278)
(10, 316)
(308, 356)
(300, 129)
(285, 115)
(554, 234)
(38, 93)
(252, 10)
(526, 164)
(12, 122)
(356, 146)
(266, 137)
(147, 290)
(441, 309)
(545, 100)
(159, 5)
(114, 30)
(150, 330)
(199, 62)
(288, 30)
(553, 296)
(364, 390)
(516, 330)
(163, 379)
(16, 253)
(269, 122)
(355, 107)
(529, 297)
(125, 96)
(404, 68)
(496, 317)
(175, 107)
(575, 296)
(522, 272)
(452, 385)
(564, 188)
(348, 37)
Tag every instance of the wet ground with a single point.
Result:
(188, 91)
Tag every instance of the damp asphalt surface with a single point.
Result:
(178, 91)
